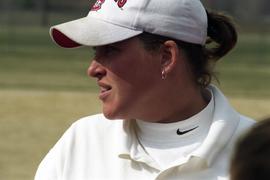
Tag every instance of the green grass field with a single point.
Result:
(44, 88)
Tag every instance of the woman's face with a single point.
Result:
(129, 78)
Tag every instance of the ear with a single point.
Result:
(169, 55)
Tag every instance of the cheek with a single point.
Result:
(134, 81)
(135, 74)
(132, 87)
(137, 69)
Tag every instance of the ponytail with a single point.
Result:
(222, 35)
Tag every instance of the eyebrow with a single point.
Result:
(116, 44)
(103, 46)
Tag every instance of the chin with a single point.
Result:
(111, 114)
(115, 111)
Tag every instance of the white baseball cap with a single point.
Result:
(111, 21)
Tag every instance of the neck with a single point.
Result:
(185, 107)
(178, 107)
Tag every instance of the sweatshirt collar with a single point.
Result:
(225, 121)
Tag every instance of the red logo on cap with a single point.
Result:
(120, 3)
(97, 5)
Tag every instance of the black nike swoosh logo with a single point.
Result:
(178, 132)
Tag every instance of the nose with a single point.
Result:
(96, 70)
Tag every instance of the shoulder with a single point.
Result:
(225, 111)
(93, 120)
(76, 145)
(95, 124)
(84, 134)
(245, 123)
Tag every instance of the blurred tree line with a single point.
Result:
(44, 12)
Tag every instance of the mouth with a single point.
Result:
(105, 90)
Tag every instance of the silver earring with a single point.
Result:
(163, 74)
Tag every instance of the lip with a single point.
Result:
(105, 90)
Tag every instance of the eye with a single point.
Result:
(105, 51)
(110, 50)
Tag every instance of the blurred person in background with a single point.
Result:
(251, 159)
(162, 118)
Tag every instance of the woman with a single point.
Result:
(154, 69)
